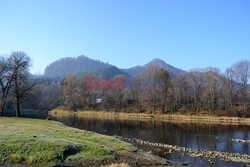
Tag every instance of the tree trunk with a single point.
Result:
(17, 106)
(17, 98)
(2, 108)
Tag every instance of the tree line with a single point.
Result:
(196, 91)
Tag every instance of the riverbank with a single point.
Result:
(156, 117)
(48, 143)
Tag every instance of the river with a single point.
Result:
(189, 135)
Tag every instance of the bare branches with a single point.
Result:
(14, 75)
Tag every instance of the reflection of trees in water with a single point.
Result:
(192, 135)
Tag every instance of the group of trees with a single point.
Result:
(210, 90)
(154, 91)
(14, 80)
(20, 90)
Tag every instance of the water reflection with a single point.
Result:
(195, 136)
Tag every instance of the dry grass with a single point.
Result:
(156, 117)
(118, 165)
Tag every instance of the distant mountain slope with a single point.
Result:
(163, 64)
(136, 71)
(110, 72)
(81, 64)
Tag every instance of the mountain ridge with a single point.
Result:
(137, 70)
(82, 64)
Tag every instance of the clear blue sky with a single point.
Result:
(184, 33)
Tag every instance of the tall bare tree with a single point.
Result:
(242, 74)
(19, 63)
(229, 88)
(182, 82)
(134, 93)
(150, 92)
(212, 84)
(164, 84)
(119, 93)
(72, 93)
(6, 78)
(198, 81)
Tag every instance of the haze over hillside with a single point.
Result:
(82, 64)
(136, 71)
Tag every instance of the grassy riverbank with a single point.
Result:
(44, 142)
(156, 117)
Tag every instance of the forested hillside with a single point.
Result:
(65, 66)
(82, 64)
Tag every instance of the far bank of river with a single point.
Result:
(155, 117)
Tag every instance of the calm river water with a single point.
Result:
(190, 135)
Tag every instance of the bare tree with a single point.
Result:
(19, 64)
(119, 93)
(229, 87)
(242, 74)
(212, 84)
(134, 93)
(6, 78)
(150, 92)
(198, 81)
(183, 88)
(164, 84)
(44, 96)
(72, 94)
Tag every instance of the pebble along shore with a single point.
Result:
(210, 155)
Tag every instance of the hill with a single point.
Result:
(82, 64)
(137, 70)
(66, 66)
